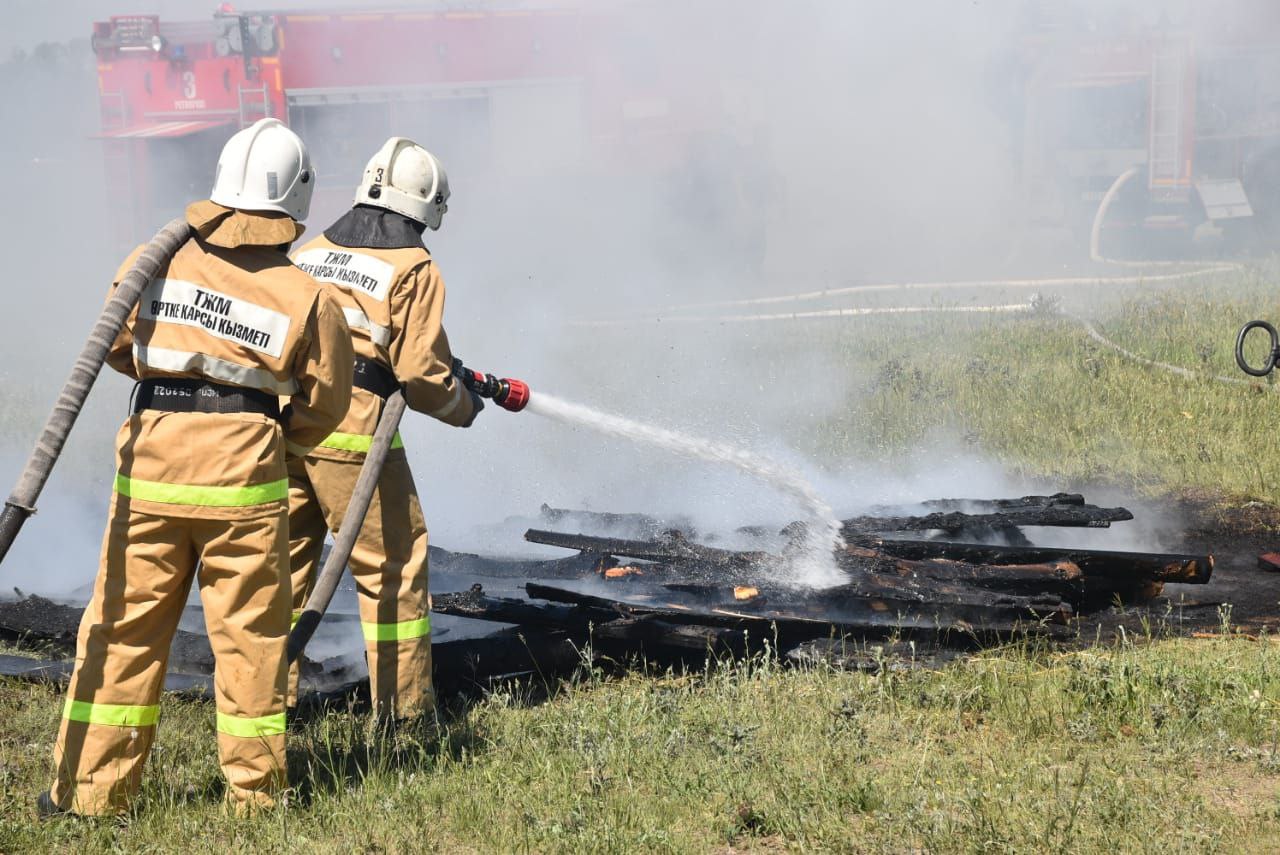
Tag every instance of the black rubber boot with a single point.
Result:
(46, 807)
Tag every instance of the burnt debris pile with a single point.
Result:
(970, 576)
(935, 578)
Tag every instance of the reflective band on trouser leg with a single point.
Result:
(118, 715)
(403, 631)
(198, 494)
(251, 728)
(356, 442)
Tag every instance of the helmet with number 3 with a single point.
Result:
(406, 178)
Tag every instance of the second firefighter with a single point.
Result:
(393, 296)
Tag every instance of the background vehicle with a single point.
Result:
(506, 96)
(1187, 94)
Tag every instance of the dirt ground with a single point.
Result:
(1235, 536)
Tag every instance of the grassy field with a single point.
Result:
(1147, 744)
(1167, 746)
(1041, 398)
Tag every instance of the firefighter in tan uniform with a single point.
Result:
(227, 329)
(393, 298)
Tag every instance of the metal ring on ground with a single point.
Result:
(1272, 353)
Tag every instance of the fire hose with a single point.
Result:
(352, 521)
(507, 393)
(21, 503)
(1273, 352)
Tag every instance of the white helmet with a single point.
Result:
(406, 178)
(265, 167)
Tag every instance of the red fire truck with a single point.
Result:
(520, 90)
(1169, 112)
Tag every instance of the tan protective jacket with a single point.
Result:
(393, 300)
(229, 307)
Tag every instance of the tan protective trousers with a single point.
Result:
(148, 564)
(389, 564)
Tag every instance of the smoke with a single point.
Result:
(718, 150)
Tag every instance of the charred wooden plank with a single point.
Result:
(651, 635)
(1157, 566)
(467, 564)
(645, 525)
(965, 584)
(34, 622)
(970, 605)
(474, 664)
(477, 605)
(939, 578)
(898, 593)
(986, 506)
(36, 670)
(33, 617)
(58, 671)
(947, 567)
(1080, 516)
(672, 547)
(852, 615)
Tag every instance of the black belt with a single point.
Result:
(191, 395)
(374, 377)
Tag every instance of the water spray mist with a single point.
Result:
(816, 567)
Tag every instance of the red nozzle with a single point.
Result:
(516, 397)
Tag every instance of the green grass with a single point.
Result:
(1146, 746)
(1041, 398)
(1154, 744)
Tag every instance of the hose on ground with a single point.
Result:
(1186, 373)
(1095, 233)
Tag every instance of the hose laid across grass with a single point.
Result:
(1050, 282)
(818, 313)
(1187, 373)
